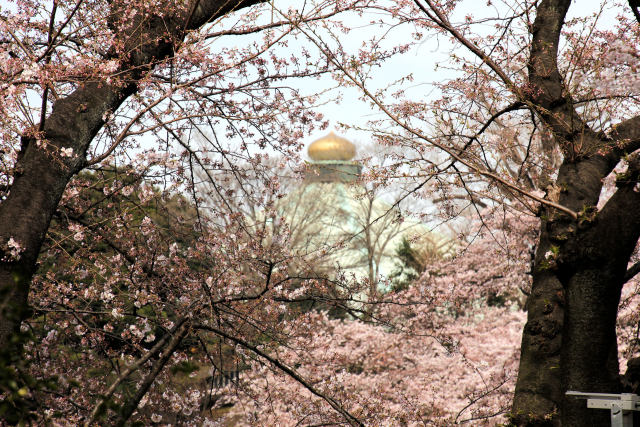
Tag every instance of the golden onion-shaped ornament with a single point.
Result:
(332, 147)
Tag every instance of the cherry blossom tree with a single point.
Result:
(432, 354)
(91, 84)
(536, 116)
(538, 111)
(82, 81)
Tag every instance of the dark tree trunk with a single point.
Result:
(40, 178)
(538, 389)
(569, 341)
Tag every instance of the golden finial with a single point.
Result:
(332, 147)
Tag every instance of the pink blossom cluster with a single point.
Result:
(435, 353)
(392, 377)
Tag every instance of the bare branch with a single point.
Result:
(631, 272)
(441, 20)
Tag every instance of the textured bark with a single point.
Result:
(40, 178)
(41, 175)
(538, 391)
(569, 341)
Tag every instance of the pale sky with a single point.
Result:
(421, 60)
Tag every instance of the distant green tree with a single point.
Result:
(413, 259)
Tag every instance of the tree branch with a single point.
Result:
(627, 135)
(132, 368)
(75, 120)
(132, 404)
(631, 272)
(420, 135)
(552, 101)
(441, 20)
(634, 4)
(353, 421)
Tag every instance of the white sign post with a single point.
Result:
(620, 405)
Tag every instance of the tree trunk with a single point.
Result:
(40, 178)
(569, 341)
(538, 390)
(589, 357)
